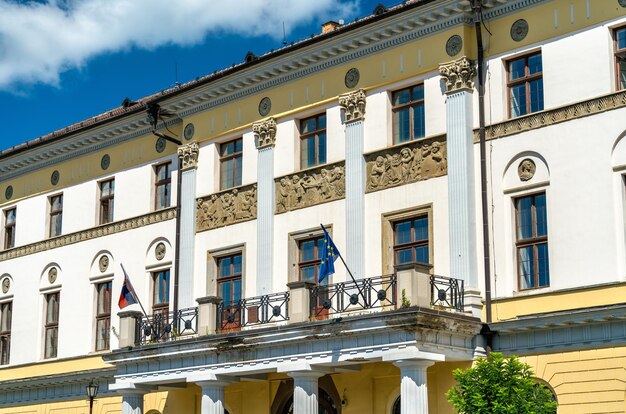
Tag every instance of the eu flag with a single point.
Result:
(330, 253)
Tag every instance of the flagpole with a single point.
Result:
(132, 292)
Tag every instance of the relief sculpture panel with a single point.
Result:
(228, 207)
(310, 187)
(407, 163)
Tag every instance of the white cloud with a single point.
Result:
(40, 40)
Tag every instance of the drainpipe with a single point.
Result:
(477, 8)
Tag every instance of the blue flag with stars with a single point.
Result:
(330, 253)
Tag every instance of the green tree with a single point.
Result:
(499, 385)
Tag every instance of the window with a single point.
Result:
(107, 193)
(408, 114)
(310, 251)
(51, 325)
(410, 241)
(532, 241)
(162, 185)
(9, 228)
(161, 292)
(230, 163)
(620, 56)
(313, 141)
(103, 315)
(5, 332)
(56, 215)
(525, 84)
(229, 281)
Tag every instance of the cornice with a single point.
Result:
(95, 232)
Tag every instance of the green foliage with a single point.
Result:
(405, 301)
(499, 385)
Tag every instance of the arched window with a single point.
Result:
(396, 406)
(326, 404)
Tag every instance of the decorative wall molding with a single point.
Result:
(458, 75)
(92, 233)
(188, 155)
(353, 104)
(310, 187)
(554, 116)
(227, 207)
(406, 163)
(264, 133)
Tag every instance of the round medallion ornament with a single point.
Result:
(265, 106)
(54, 178)
(526, 169)
(103, 263)
(354, 299)
(352, 78)
(6, 284)
(189, 130)
(159, 251)
(8, 193)
(52, 275)
(519, 30)
(454, 45)
(160, 145)
(622, 3)
(105, 161)
(276, 311)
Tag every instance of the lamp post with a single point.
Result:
(92, 391)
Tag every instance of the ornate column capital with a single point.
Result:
(458, 74)
(353, 104)
(188, 155)
(264, 133)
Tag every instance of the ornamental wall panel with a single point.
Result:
(226, 207)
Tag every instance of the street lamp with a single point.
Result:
(92, 391)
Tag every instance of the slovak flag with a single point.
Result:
(128, 296)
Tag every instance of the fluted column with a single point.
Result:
(413, 386)
(353, 105)
(188, 162)
(265, 137)
(458, 76)
(305, 389)
(132, 402)
(212, 396)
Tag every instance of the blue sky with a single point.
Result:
(63, 61)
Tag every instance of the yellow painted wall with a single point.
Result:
(592, 381)
(52, 368)
(110, 405)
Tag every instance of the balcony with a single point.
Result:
(412, 286)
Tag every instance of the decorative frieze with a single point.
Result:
(406, 163)
(353, 104)
(458, 74)
(188, 155)
(554, 116)
(264, 133)
(310, 187)
(228, 207)
(95, 232)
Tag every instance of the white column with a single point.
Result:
(132, 402)
(212, 396)
(188, 163)
(413, 386)
(461, 184)
(305, 389)
(265, 136)
(353, 105)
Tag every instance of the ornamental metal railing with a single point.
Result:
(371, 293)
(166, 326)
(446, 292)
(253, 311)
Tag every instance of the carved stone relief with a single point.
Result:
(52, 275)
(6, 284)
(458, 74)
(414, 161)
(353, 104)
(188, 155)
(103, 264)
(264, 133)
(159, 251)
(526, 169)
(310, 187)
(227, 207)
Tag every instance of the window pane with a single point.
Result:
(622, 73)
(237, 179)
(237, 290)
(51, 342)
(321, 121)
(404, 256)
(401, 125)
(516, 69)
(534, 64)
(310, 152)
(320, 247)
(536, 95)
(518, 100)
(526, 267)
(308, 274)
(524, 218)
(307, 125)
(307, 249)
(419, 129)
(543, 266)
(52, 309)
(421, 254)
(421, 228)
(224, 266)
(403, 232)
(225, 292)
(621, 39)
(321, 139)
(239, 145)
(237, 264)
(10, 216)
(4, 350)
(226, 174)
(5, 325)
(540, 211)
(401, 97)
(102, 334)
(418, 92)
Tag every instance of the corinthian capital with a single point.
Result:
(264, 133)
(458, 74)
(188, 155)
(353, 104)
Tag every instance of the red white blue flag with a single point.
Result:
(128, 296)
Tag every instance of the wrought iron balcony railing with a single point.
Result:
(253, 311)
(166, 326)
(446, 292)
